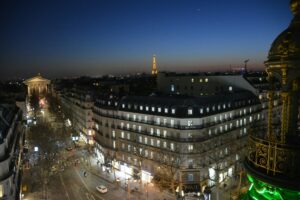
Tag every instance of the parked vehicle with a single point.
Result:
(102, 189)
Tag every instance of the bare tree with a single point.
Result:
(165, 177)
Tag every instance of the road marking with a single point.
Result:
(85, 185)
(62, 181)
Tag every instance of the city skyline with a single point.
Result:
(96, 37)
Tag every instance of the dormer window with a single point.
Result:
(153, 109)
(173, 111)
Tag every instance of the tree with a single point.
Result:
(165, 177)
(34, 100)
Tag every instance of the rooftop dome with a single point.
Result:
(286, 47)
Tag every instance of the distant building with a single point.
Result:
(37, 84)
(195, 84)
(11, 140)
(77, 106)
(154, 71)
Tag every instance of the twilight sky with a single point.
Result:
(94, 37)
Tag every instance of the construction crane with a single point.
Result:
(245, 67)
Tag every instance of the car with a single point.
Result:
(69, 148)
(102, 189)
(54, 168)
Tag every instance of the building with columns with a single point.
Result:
(37, 84)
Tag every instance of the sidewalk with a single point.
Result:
(152, 194)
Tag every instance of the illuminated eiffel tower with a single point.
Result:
(273, 159)
(154, 67)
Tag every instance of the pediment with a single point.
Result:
(37, 79)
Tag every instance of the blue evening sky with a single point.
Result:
(94, 37)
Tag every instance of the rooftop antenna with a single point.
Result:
(245, 67)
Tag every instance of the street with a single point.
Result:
(73, 173)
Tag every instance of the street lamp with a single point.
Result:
(207, 193)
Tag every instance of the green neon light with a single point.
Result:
(251, 186)
(259, 190)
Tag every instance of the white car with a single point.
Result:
(102, 189)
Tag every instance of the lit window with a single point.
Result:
(152, 142)
(140, 139)
(140, 128)
(134, 117)
(207, 109)
(113, 134)
(172, 146)
(201, 110)
(147, 108)
(97, 126)
(165, 133)
(166, 110)
(190, 111)
(152, 108)
(190, 147)
(164, 121)
(146, 140)
(192, 80)
(165, 144)
(172, 122)
(157, 132)
(158, 120)
(114, 144)
(145, 118)
(200, 80)
(151, 131)
(123, 105)
(230, 88)
(173, 111)
(190, 123)
(159, 109)
(158, 143)
(122, 134)
(141, 107)
(206, 80)
(172, 88)
(190, 177)
(128, 136)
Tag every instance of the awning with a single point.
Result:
(191, 188)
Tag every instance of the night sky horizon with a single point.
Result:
(93, 38)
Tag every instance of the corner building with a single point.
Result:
(197, 141)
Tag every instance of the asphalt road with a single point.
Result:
(69, 184)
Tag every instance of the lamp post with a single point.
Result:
(128, 188)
